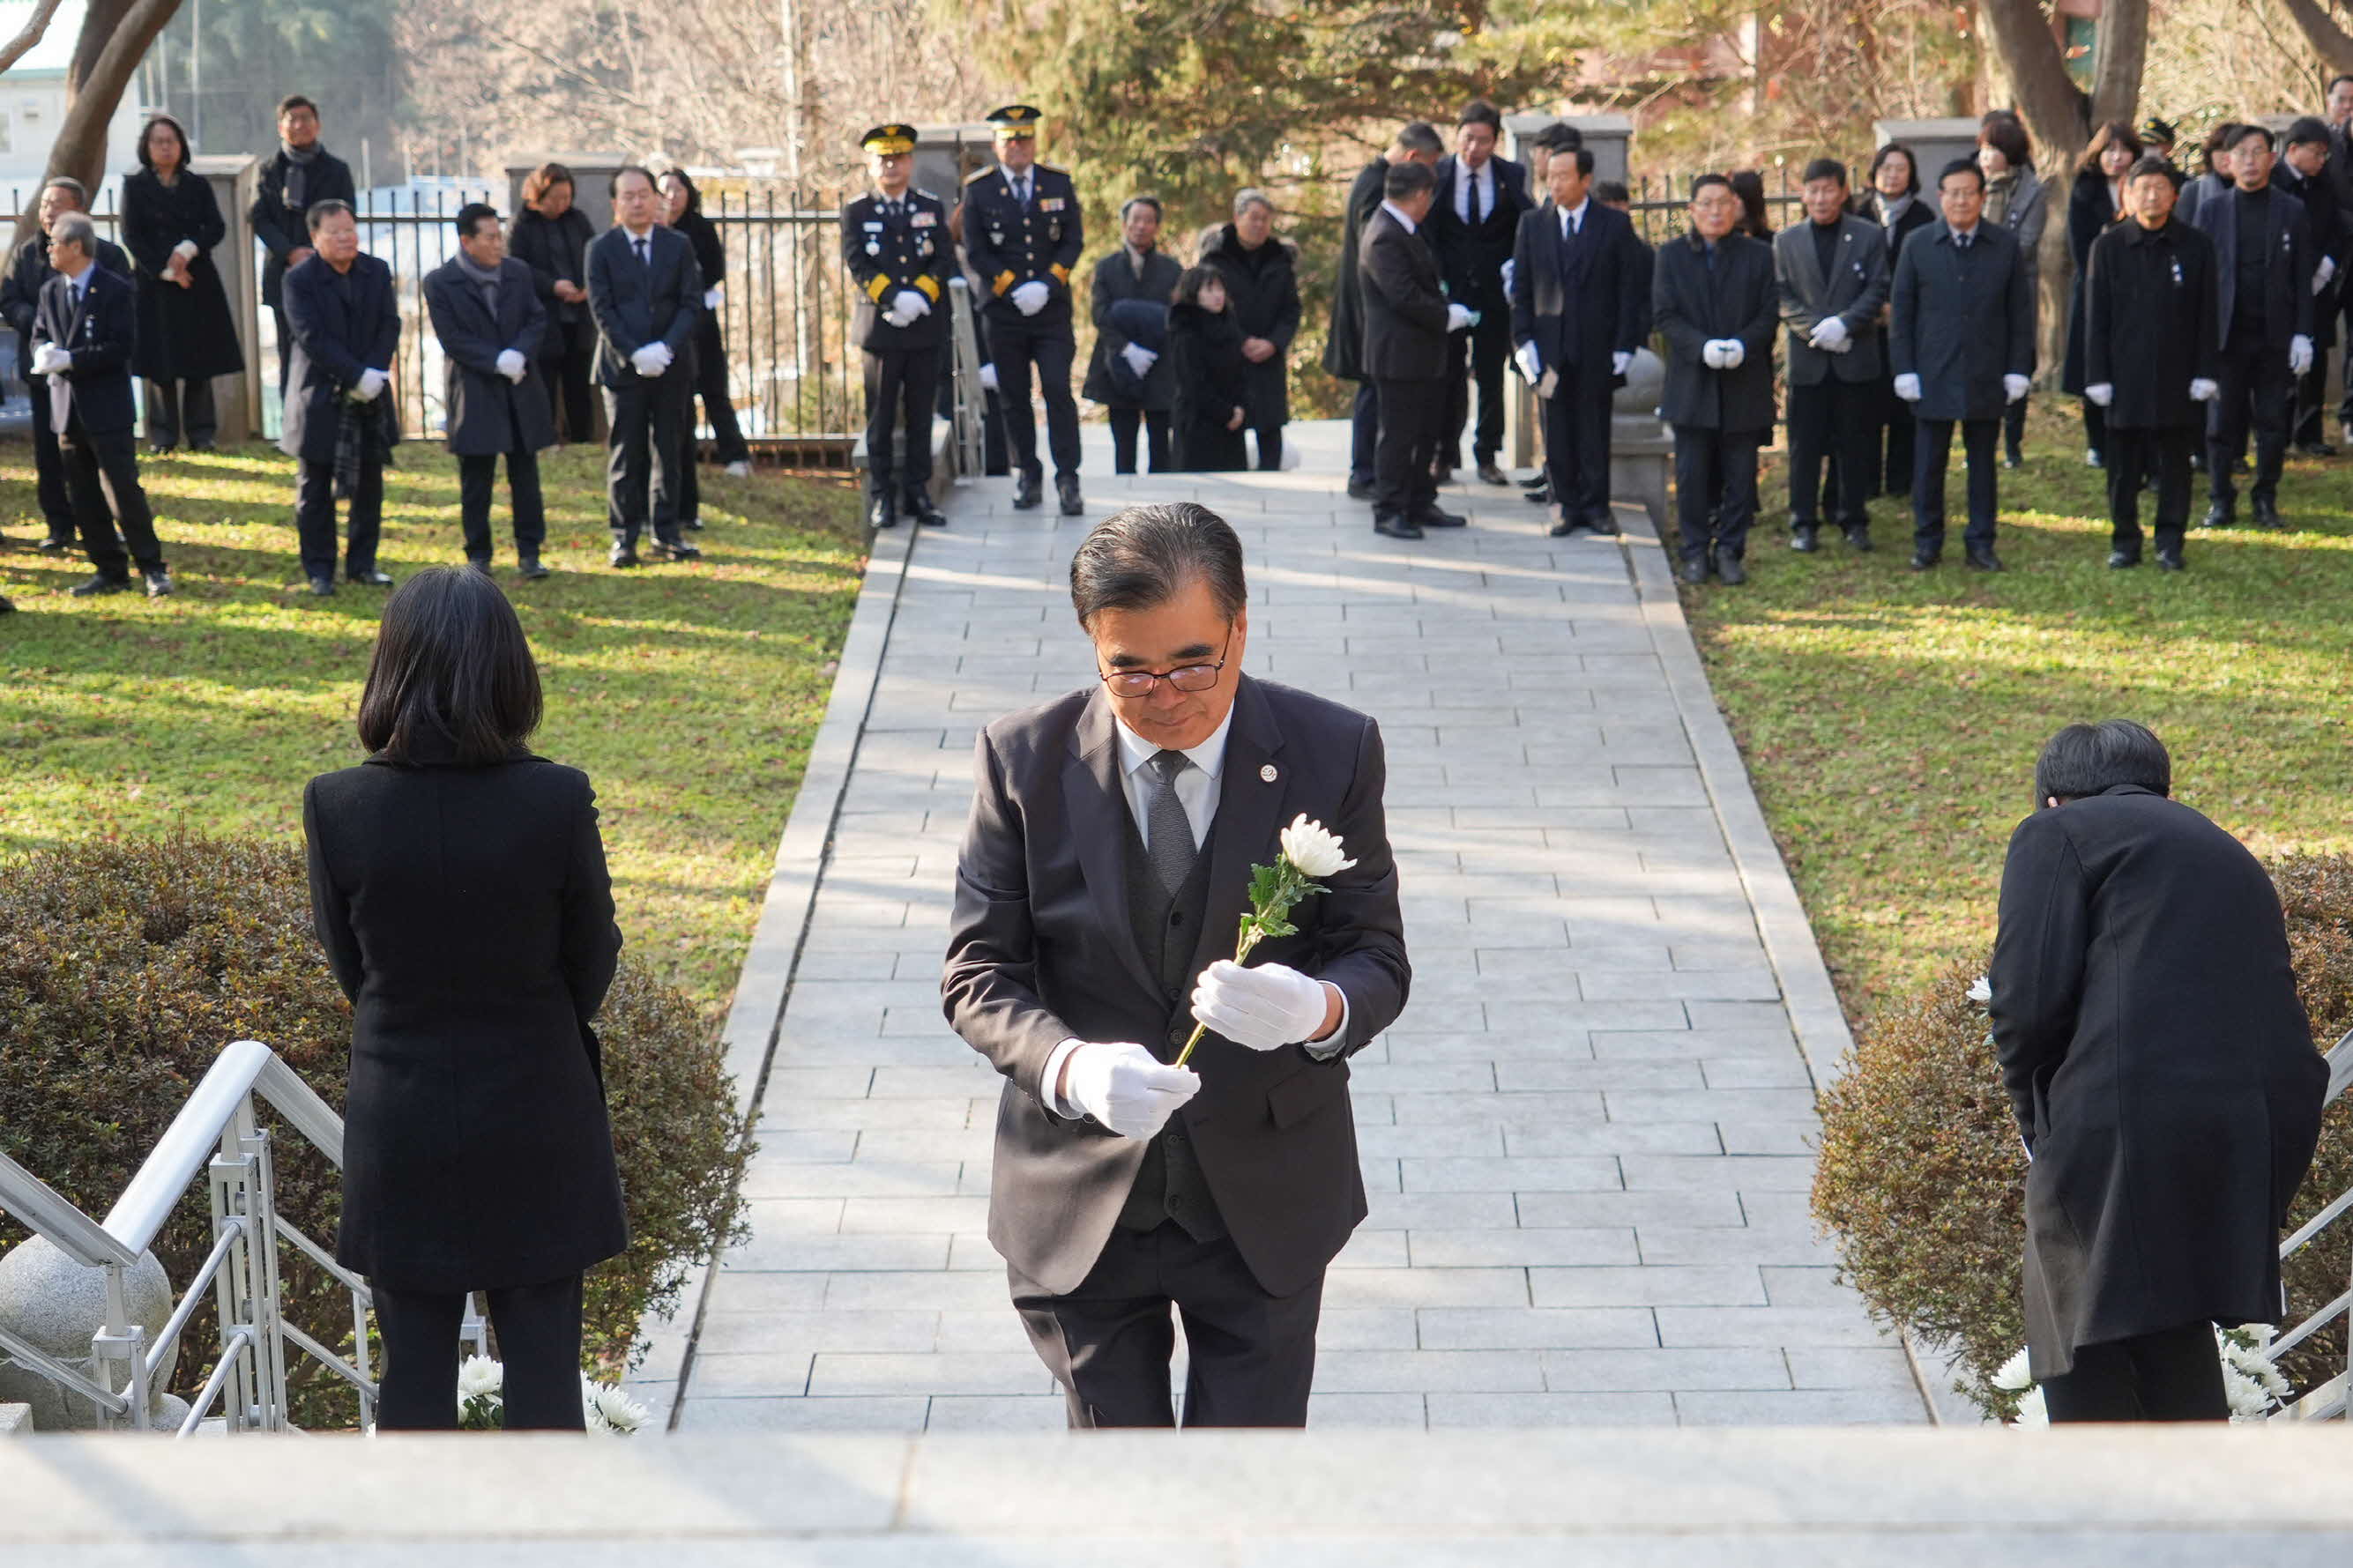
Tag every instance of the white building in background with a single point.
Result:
(33, 105)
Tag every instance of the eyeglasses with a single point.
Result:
(1188, 677)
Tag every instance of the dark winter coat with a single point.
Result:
(185, 334)
(2288, 274)
(1262, 297)
(20, 290)
(2148, 323)
(1115, 280)
(2091, 210)
(554, 249)
(281, 221)
(1961, 322)
(488, 414)
(1206, 371)
(1343, 345)
(1693, 303)
(338, 332)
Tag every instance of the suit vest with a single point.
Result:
(1169, 1185)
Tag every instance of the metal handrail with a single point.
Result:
(2329, 1401)
(187, 1146)
(49, 1213)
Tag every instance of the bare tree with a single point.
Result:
(114, 38)
(2322, 32)
(36, 25)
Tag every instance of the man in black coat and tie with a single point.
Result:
(2151, 358)
(645, 293)
(1407, 320)
(344, 322)
(1104, 869)
(20, 300)
(1833, 278)
(1343, 344)
(1140, 392)
(1713, 298)
(2303, 171)
(292, 180)
(895, 241)
(2263, 266)
(488, 314)
(1581, 306)
(82, 338)
(1473, 224)
(1961, 337)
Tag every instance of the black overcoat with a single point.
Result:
(1583, 303)
(556, 249)
(2148, 323)
(486, 413)
(1691, 303)
(1207, 374)
(1262, 297)
(1115, 280)
(466, 913)
(338, 333)
(1343, 345)
(2327, 218)
(185, 334)
(281, 221)
(2161, 1068)
(1961, 322)
(1856, 291)
(2091, 209)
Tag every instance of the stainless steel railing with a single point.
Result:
(2329, 1401)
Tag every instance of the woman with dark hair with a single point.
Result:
(1749, 185)
(1211, 376)
(2095, 200)
(727, 448)
(2215, 179)
(550, 236)
(458, 883)
(2015, 199)
(2144, 1011)
(1893, 202)
(171, 222)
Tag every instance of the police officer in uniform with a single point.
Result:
(895, 240)
(1020, 223)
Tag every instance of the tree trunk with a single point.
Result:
(2323, 32)
(2116, 67)
(34, 28)
(115, 37)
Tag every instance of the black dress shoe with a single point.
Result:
(1444, 475)
(673, 550)
(162, 448)
(1729, 569)
(622, 556)
(2315, 448)
(1926, 560)
(530, 570)
(1360, 489)
(322, 588)
(1801, 538)
(929, 516)
(2218, 515)
(1438, 517)
(371, 578)
(1395, 528)
(159, 583)
(1026, 492)
(101, 584)
(1066, 490)
(2119, 559)
(1981, 558)
(1489, 474)
(2266, 513)
(1539, 494)
(53, 546)
(479, 564)
(6, 607)
(2013, 458)
(1693, 569)
(881, 513)
(694, 523)
(1858, 538)
(2169, 561)
(205, 444)
(1604, 526)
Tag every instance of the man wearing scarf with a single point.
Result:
(293, 180)
(491, 322)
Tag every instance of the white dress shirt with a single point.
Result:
(1397, 212)
(1573, 218)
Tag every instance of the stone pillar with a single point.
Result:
(237, 398)
(56, 1305)
(1610, 137)
(592, 180)
(1934, 143)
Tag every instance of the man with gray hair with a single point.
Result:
(1107, 863)
(1343, 345)
(1260, 271)
(20, 300)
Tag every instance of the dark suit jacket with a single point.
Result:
(1960, 324)
(2289, 276)
(20, 290)
(488, 414)
(1581, 305)
(283, 226)
(1115, 280)
(1343, 344)
(1009, 245)
(2326, 220)
(1854, 292)
(334, 341)
(556, 249)
(884, 255)
(1692, 302)
(101, 334)
(634, 305)
(2148, 323)
(2162, 1069)
(466, 914)
(1041, 951)
(1405, 310)
(1471, 258)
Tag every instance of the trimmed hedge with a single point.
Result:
(1922, 1182)
(125, 967)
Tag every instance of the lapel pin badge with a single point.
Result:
(1267, 774)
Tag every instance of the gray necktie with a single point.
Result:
(1168, 832)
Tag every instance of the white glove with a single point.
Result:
(909, 303)
(988, 378)
(711, 298)
(1122, 1086)
(1029, 297)
(1264, 1008)
(512, 365)
(650, 359)
(2321, 275)
(1510, 271)
(2204, 391)
(1908, 387)
(1731, 352)
(371, 381)
(1621, 363)
(1829, 334)
(1711, 353)
(1139, 358)
(1459, 318)
(48, 359)
(893, 318)
(2102, 394)
(2299, 354)
(1531, 363)
(2015, 386)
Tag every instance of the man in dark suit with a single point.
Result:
(2303, 171)
(1582, 307)
(2337, 110)
(1022, 235)
(1343, 344)
(2150, 357)
(1407, 320)
(82, 337)
(1104, 872)
(2263, 266)
(344, 322)
(20, 300)
(1473, 224)
(644, 293)
(1127, 377)
(1833, 278)
(1713, 296)
(489, 318)
(1961, 337)
(292, 181)
(895, 241)
(2144, 1010)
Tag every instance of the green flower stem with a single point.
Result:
(1273, 890)
(1242, 945)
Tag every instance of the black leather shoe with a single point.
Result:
(53, 546)
(101, 584)
(2266, 513)
(1693, 571)
(479, 564)
(1438, 517)
(1026, 492)
(530, 570)
(2170, 561)
(2219, 515)
(924, 513)
(1729, 569)
(1981, 558)
(2013, 458)
(371, 578)
(2119, 559)
(6, 607)
(1066, 490)
(1444, 476)
(162, 448)
(623, 556)
(673, 550)
(1360, 489)
(1858, 540)
(1489, 474)
(1395, 528)
(1925, 560)
(1566, 528)
(881, 513)
(159, 583)
(1802, 540)
(1538, 494)
(2315, 448)
(322, 588)
(1604, 526)
(206, 445)
(695, 523)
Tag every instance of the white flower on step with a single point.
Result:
(2032, 1411)
(1981, 992)
(2013, 1375)
(479, 1375)
(604, 1408)
(1313, 848)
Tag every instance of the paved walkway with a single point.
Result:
(1584, 1142)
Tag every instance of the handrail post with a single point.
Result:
(234, 1287)
(125, 1340)
(261, 1204)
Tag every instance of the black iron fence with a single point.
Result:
(1662, 205)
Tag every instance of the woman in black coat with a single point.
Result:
(1261, 276)
(2163, 1078)
(550, 236)
(1206, 363)
(727, 448)
(1895, 205)
(171, 222)
(458, 887)
(2095, 200)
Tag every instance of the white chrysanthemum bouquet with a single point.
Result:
(1310, 850)
(481, 1400)
(2255, 1385)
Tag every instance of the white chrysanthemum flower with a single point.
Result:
(2031, 1412)
(2013, 1375)
(479, 1375)
(1981, 992)
(621, 1414)
(1313, 848)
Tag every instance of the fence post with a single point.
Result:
(237, 398)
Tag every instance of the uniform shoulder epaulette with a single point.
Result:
(925, 195)
(979, 174)
(1052, 168)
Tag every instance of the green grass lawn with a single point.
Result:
(1890, 718)
(689, 693)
